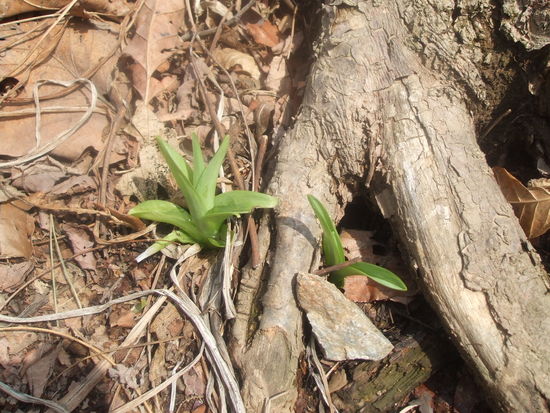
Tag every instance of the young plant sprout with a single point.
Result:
(334, 254)
(204, 222)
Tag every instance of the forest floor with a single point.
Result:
(109, 79)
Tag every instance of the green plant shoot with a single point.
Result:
(334, 254)
(204, 221)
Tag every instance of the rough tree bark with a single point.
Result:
(376, 111)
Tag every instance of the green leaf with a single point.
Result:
(184, 238)
(206, 186)
(167, 212)
(177, 163)
(198, 160)
(241, 202)
(334, 254)
(236, 203)
(219, 240)
(216, 243)
(379, 274)
(332, 246)
(184, 175)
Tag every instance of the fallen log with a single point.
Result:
(376, 386)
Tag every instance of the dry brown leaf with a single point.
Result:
(264, 33)
(195, 382)
(39, 176)
(122, 318)
(154, 42)
(15, 7)
(81, 240)
(16, 228)
(361, 289)
(531, 205)
(12, 275)
(73, 52)
(200, 409)
(39, 372)
(74, 185)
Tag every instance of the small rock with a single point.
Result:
(341, 328)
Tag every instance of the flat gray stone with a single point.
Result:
(341, 328)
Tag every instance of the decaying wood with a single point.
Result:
(371, 109)
(375, 386)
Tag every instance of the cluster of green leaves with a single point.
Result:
(334, 254)
(204, 222)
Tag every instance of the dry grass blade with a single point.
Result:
(52, 266)
(96, 309)
(319, 375)
(195, 315)
(27, 398)
(531, 205)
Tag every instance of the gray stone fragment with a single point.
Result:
(341, 328)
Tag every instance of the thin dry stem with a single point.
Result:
(328, 270)
(68, 278)
(54, 283)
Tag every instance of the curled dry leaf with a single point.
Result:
(154, 42)
(531, 205)
(230, 58)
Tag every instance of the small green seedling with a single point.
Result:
(334, 254)
(205, 221)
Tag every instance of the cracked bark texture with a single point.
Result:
(375, 107)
